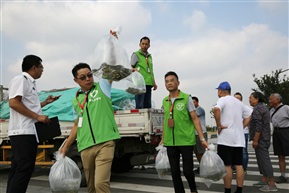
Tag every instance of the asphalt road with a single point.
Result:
(146, 180)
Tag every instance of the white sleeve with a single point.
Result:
(220, 103)
(16, 87)
(247, 111)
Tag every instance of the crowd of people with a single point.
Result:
(233, 118)
(184, 127)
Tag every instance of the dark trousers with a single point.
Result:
(144, 101)
(174, 153)
(24, 150)
(263, 159)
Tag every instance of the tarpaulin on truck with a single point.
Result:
(63, 106)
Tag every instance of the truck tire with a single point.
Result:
(121, 164)
(78, 162)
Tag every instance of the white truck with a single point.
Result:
(140, 131)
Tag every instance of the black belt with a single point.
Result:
(280, 128)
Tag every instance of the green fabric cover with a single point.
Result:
(63, 106)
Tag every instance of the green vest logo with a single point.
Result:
(180, 106)
(93, 96)
(94, 93)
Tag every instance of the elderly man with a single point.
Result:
(280, 120)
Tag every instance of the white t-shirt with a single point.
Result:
(23, 85)
(246, 129)
(233, 112)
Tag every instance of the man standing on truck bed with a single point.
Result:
(180, 123)
(94, 127)
(142, 62)
(25, 110)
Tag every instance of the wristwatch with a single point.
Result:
(203, 139)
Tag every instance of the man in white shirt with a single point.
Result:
(239, 96)
(231, 117)
(25, 110)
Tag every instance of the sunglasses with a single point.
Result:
(89, 75)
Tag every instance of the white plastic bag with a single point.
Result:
(64, 175)
(212, 167)
(136, 83)
(111, 60)
(127, 104)
(162, 161)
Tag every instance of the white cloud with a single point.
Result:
(197, 20)
(53, 20)
(63, 34)
(220, 56)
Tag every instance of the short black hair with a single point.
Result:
(195, 98)
(259, 96)
(78, 67)
(145, 38)
(29, 61)
(238, 93)
(172, 73)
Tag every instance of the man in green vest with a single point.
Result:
(180, 123)
(94, 127)
(141, 61)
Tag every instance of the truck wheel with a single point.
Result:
(121, 164)
(78, 162)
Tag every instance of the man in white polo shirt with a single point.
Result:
(25, 110)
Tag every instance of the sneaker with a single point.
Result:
(234, 171)
(197, 171)
(268, 188)
(245, 172)
(281, 179)
(260, 184)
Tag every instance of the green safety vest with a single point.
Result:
(183, 132)
(144, 64)
(98, 123)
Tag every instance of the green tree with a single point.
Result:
(273, 83)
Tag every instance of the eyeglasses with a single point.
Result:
(89, 75)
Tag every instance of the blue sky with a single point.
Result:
(204, 42)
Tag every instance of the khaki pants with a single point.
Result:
(97, 162)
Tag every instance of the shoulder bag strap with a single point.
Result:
(276, 110)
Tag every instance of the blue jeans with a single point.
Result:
(144, 101)
(245, 153)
